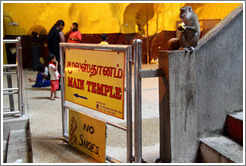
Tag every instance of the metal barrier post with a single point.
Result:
(129, 103)
(20, 73)
(18, 77)
(138, 100)
(64, 113)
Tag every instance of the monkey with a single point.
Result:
(190, 31)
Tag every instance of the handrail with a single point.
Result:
(19, 72)
(10, 41)
(8, 89)
(226, 21)
(9, 73)
(10, 65)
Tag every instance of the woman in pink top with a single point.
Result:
(74, 35)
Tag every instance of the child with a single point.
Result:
(54, 75)
(39, 81)
(104, 39)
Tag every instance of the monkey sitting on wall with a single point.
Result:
(190, 31)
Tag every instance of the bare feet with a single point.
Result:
(52, 98)
(31, 80)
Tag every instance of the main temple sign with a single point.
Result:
(95, 79)
(88, 135)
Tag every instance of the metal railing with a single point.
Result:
(10, 90)
(65, 107)
(138, 75)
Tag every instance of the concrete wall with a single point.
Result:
(219, 74)
(180, 117)
(203, 88)
(14, 124)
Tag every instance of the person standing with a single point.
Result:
(74, 35)
(54, 76)
(56, 36)
(104, 39)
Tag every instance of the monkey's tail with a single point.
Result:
(173, 44)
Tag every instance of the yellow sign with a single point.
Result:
(88, 135)
(95, 79)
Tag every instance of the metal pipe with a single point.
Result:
(11, 113)
(112, 160)
(151, 73)
(8, 17)
(8, 89)
(116, 125)
(10, 65)
(18, 75)
(137, 100)
(10, 93)
(129, 103)
(24, 111)
(64, 115)
(94, 46)
(107, 122)
(9, 73)
(10, 40)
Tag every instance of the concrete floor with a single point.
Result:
(45, 119)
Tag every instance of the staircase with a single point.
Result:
(226, 147)
(18, 149)
(16, 141)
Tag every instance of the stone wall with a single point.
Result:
(203, 87)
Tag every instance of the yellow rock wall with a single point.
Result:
(105, 17)
(94, 18)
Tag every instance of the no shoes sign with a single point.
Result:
(88, 135)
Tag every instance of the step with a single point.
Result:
(220, 149)
(234, 126)
(10, 123)
(5, 147)
(18, 147)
